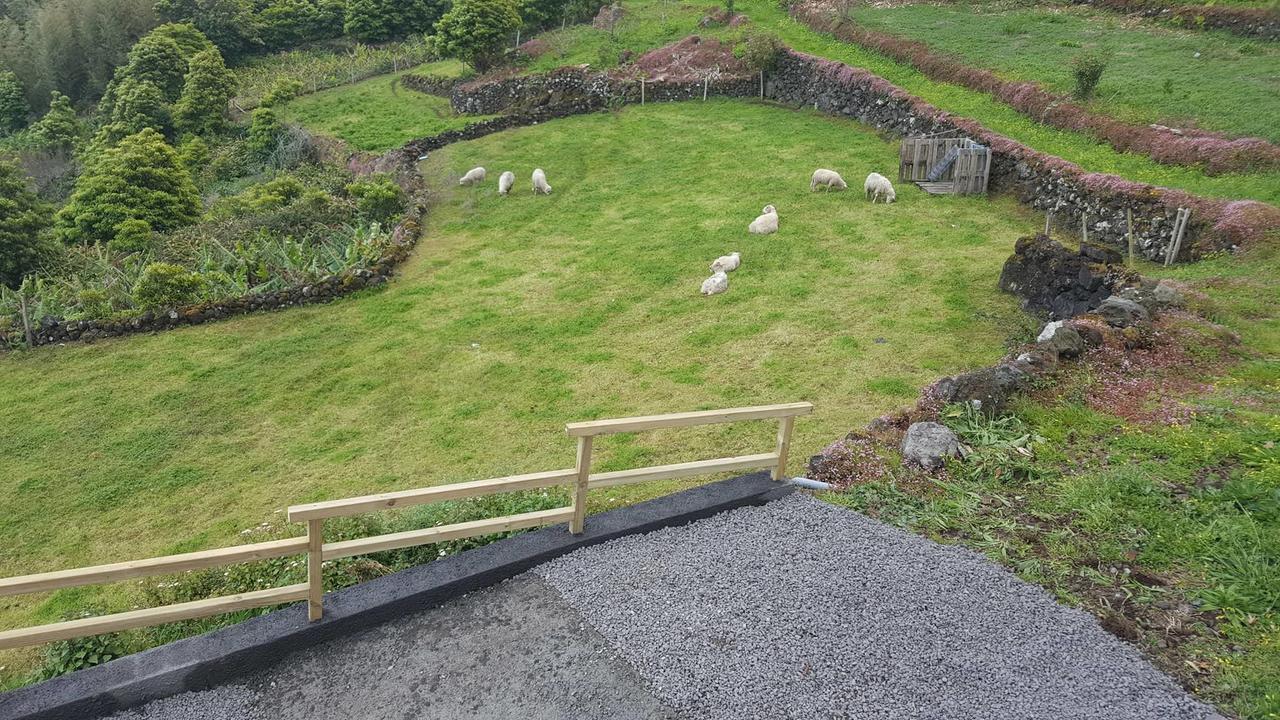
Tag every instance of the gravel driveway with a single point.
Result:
(797, 609)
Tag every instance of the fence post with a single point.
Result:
(26, 318)
(577, 524)
(1048, 218)
(641, 91)
(1084, 228)
(1128, 216)
(784, 446)
(761, 84)
(315, 574)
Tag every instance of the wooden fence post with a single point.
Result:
(785, 426)
(577, 524)
(761, 84)
(1048, 219)
(1084, 228)
(641, 91)
(1128, 216)
(315, 573)
(26, 318)
(706, 81)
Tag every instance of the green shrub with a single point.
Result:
(164, 285)
(59, 128)
(65, 656)
(94, 303)
(264, 132)
(281, 91)
(23, 222)
(378, 197)
(760, 50)
(1086, 70)
(132, 236)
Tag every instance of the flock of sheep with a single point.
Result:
(876, 187)
(506, 180)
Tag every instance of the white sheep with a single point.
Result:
(473, 177)
(505, 181)
(828, 179)
(716, 284)
(726, 263)
(540, 185)
(878, 186)
(765, 224)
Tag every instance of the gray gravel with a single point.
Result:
(800, 609)
(232, 702)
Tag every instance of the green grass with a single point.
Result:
(514, 316)
(377, 114)
(1214, 80)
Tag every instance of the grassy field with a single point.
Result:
(1216, 80)
(649, 23)
(378, 113)
(514, 316)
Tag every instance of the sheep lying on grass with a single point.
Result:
(505, 181)
(540, 186)
(766, 223)
(828, 179)
(726, 263)
(716, 284)
(473, 176)
(878, 186)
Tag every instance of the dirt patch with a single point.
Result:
(693, 58)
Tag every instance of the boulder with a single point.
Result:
(1091, 334)
(929, 444)
(990, 387)
(1049, 330)
(1122, 312)
(1065, 343)
(1167, 294)
(1049, 277)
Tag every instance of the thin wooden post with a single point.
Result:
(315, 573)
(641, 91)
(1084, 228)
(26, 318)
(784, 446)
(706, 81)
(1048, 220)
(761, 84)
(577, 524)
(1128, 217)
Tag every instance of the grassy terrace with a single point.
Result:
(1212, 80)
(514, 316)
(650, 23)
(378, 113)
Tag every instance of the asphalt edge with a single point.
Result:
(204, 661)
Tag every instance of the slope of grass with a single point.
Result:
(1211, 80)
(650, 23)
(378, 113)
(515, 315)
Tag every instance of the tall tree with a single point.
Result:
(477, 31)
(372, 20)
(23, 221)
(140, 178)
(157, 59)
(230, 24)
(13, 103)
(139, 104)
(59, 128)
(202, 108)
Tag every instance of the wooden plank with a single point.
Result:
(784, 447)
(408, 498)
(685, 419)
(581, 482)
(151, 566)
(315, 569)
(687, 469)
(395, 541)
(151, 616)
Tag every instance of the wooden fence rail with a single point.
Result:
(314, 515)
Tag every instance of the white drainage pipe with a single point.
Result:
(808, 484)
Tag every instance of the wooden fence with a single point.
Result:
(314, 515)
(968, 174)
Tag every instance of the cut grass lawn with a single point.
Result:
(516, 315)
(650, 23)
(1213, 80)
(378, 113)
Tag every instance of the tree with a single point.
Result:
(59, 128)
(372, 20)
(477, 31)
(229, 24)
(23, 221)
(286, 23)
(13, 103)
(157, 59)
(140, 178)
(202, 108)
(264, 131)
(187, 36)
(139, 104)
(541, 13)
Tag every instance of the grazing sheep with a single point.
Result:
(828, 179)
(766, 223)
(474, 176)
(505, 181)
(726, 263)
(540, 186)
(878, 186)
(715, 284)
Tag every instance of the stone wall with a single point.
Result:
(431, 84)
(1261, 23)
